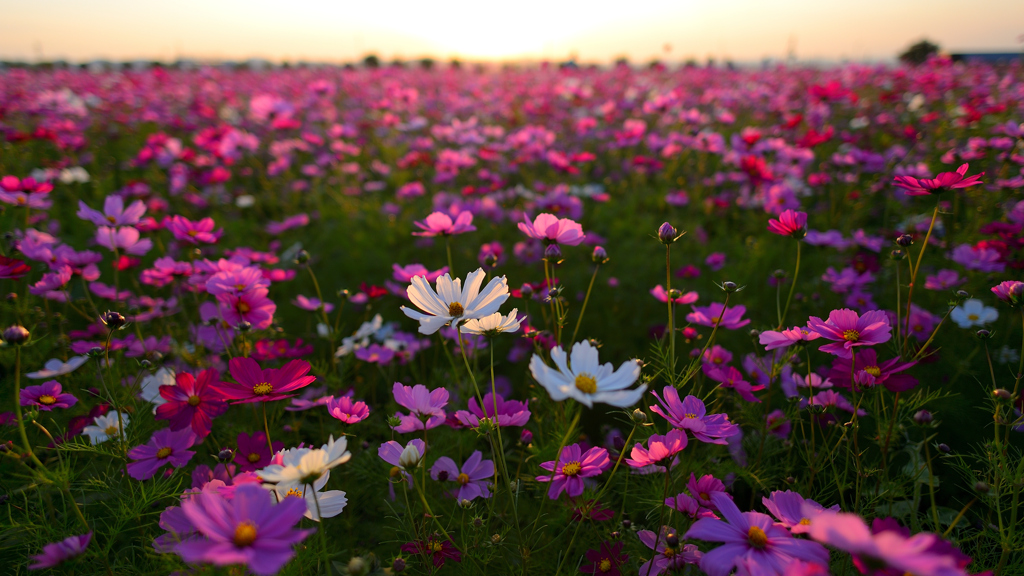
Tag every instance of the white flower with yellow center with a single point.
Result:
(302, 467)
(493, 324)
(973, 313)
(585, 380)
(451, 304)
(329, 503)
(105, 427)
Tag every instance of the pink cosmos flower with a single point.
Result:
(405, 274)
(704, 488)
(472, 479)
(253, 307)
(275, 228)
(421, 402)
(46, 397)
(943, 182)
(114, 213)
(662, 296)
(441, 224)
(200, 232)
(689, 506)
(250, 529)
(126, 239)
(690, 414)
(716, 314)
(192, 402)
(772, 340)
(848, 330)
(264, 385)
(1009, 291)
(660, 449)
(165, 447)
(253, 453)
(26, 192)
(750, 536)
(57, 553)
(312, 304)
(347, 410)
(666, 558)
(730, 377)
(12, 268)
(978, 258)
(573, 466)
(550, 228)
(510, 412)
(789, 223)
(51, 281)
(793, 510)
(884, 373)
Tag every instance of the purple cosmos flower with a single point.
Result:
(422, 403)
(253, 452)
(392, 452)
(848, 330)
(114, 213)
(941, 183)
(715, 261)
(125, 238)
(666, 558)
(730, 377)
(689, 506)
(793, 510)
(472, 479)
(551, 229)
(510, 412)
(437, 548)
(166, 446)
(943, 280)
(659, 449)
(691, 414)
(750, 536)
(59, 552)
(250, 529)
(573, 466)
(716, 314)
(441, 224)
(772, 340)
(978, 258)
(885, 373)
(831, 399)
(275, 228)
(312, 304)
(347, 410)
(46, 397)
(606, 560)
(704, 488)
(375, 354)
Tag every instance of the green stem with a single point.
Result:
(17, 409)
(584, 307)
(916, 269)
(266, 429)
(789, 298)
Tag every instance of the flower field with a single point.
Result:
(512, 320)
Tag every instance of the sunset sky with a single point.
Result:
(593, 30)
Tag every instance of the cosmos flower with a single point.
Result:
(690, 414)
(125, 238)
(56, 367)
(106, 426)
(943, 182)
(660, 449)
(550, 228)
(264, 385)
(165, 447)
(885, 373)
(57, 553)
(772, 340)
(585, 380)
(199, 232)
(452, 303)
(703, 488)
(715, 314)
(301, 467)
(441, 224)
(793, 510)
(347, 410)
(606, 559)
(312, 304)
(12, 268)
(472, 479)
(253, 452)
(493, 324)
(114, 213)
(849, 330)
(573, 466)
(510, 412)
(1010, 291)
(684, 298)
(973, 313)
(46, 397)
(192, 402)
(436, 548)
(667, 558)
(789, 223)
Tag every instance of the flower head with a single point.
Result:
(60, 552)
(660, 449)
(472, 478)
(690, 414)
(510, 412)
(441, 224)
(192, 402)
(451, 303)
(46, 397)
(716, 314)
(493, 324)
(165, 447)
(106, 426)
(585, 380)
(436, 547)
(299, 467)
(253, 384)
(347, 410)
(606, 559)
(848, 330)
(943, 182)
(790, 223)
(668, 557)
(550, 228)
(573, 466)
(253, 452)
(793, 510)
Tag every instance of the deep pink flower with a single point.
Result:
(264, 385)
(884, 373)
(684, 298)
(60, 552)
(793, 510)
(510, 412)
(689, 506)
(200, 232)
(51, 281)
(750, 536)
(253, 307)
(192, 402)
(165, 447)
(848, 330)
(347, 410)
(790, 223)
(405, 274)
(12, 268)
(114, 213)
(690, 414)
(660, 449)
(943, 280)
(573, 466)
(441, 224)
(1010, 291)
(275, 228)
(717, 314)
(941, 183)
(704, 488)
(46, 397)
(606, 560)
(550, 228)
(438, 549)
(253, 453)
(730, 377)
(250, 529)
(472, 479)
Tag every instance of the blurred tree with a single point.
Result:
(371, 61)
(919, 53)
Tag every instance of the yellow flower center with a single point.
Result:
(395, 472)
(294, 492)
(586, 383)
(572, 468)
(463, 479)
(716, 319)
(262, 389)
(972, 317)
(245, 534)
(851, 335)
(111, 219)
(46, 400)
(436, 546)
(690, 415)
(243, 307)
(874, 371)
(668, 552)
(605, 565)
(239, 287)
(455, 310)
(193, 233)
(757, 537)
(805, 521)
(164, 452)
(193, 400)
(111, 430)
(253, 457)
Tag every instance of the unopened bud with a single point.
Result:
(225, 455)
(897, 255)
(410, 457)
(667, 234)
(923, 417)
(639, 416)
(983, 334)
(526, 290)
(357, 566)
(904, 240)
(243, 326)
(302, 257)
(963, 294)
(944, 448)
(491, 261)
(730, 287)
(672, 539)
(526, 436)
(16, 335)
(398, 565)
(981, 487)
(1002, 394)
(344, 294)
(600, 255)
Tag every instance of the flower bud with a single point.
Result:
(667, 234)
(672, 539)
(146, 364)
(553, 253)
(600, 255)
(243, 326)
(410, 457)
(302, 257)
(779, 274)
(357, 566)
(344, 294)
(465, 504)
(225, 455)
(491, 260)
(394, 421)
(526, 436)
(897, 255)
(981, 487)
(95, 352)
(944, 448)
(674, 294)
(16, 335)
(730, 287)
(526, 290)
(639, 416)
(398, 565)
(626, 523)
(963, 294)
(983, 334)
(923, 417)
(904, 240)
(1002, 394)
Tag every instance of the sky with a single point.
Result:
(475, 30)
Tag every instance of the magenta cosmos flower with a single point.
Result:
(793, 510)
(199, 232)
(941, 183)
(691, 414)
(606, 560)
(573, 466)
(510, 412)
(441, 224)
(12, 268)
(660, 449)
(717, 314)
(165, 447)
(789, 223)
(192, 402)
(46, 397)
(1010, 291)
(704, 488)
(750, 536)
(684, 298)
(772, 339)
(439, 550)
(551, 229)
(114, 213)
(125, 238)
(250, 529)
(884, 373)
(347, 410)
(312, 304)
(847, 330)
(60, 552)
(264, 385)
(472, 479)
(253, 452)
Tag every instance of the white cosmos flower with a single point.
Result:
(56, 367)
(493, 324)
(300, 467)
(330, 503)
(105, 427)
(586, 380)
(452, 303)
(973, 312)
(149, 388)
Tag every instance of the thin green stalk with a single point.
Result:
(792, 286)
(266, 429)
(916, 269)
(17, 409)
(584, 307)
(671, 324)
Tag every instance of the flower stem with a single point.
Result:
(17, 409)
(584, 307)
(266, 429)
(792, 287)
(913, 273)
